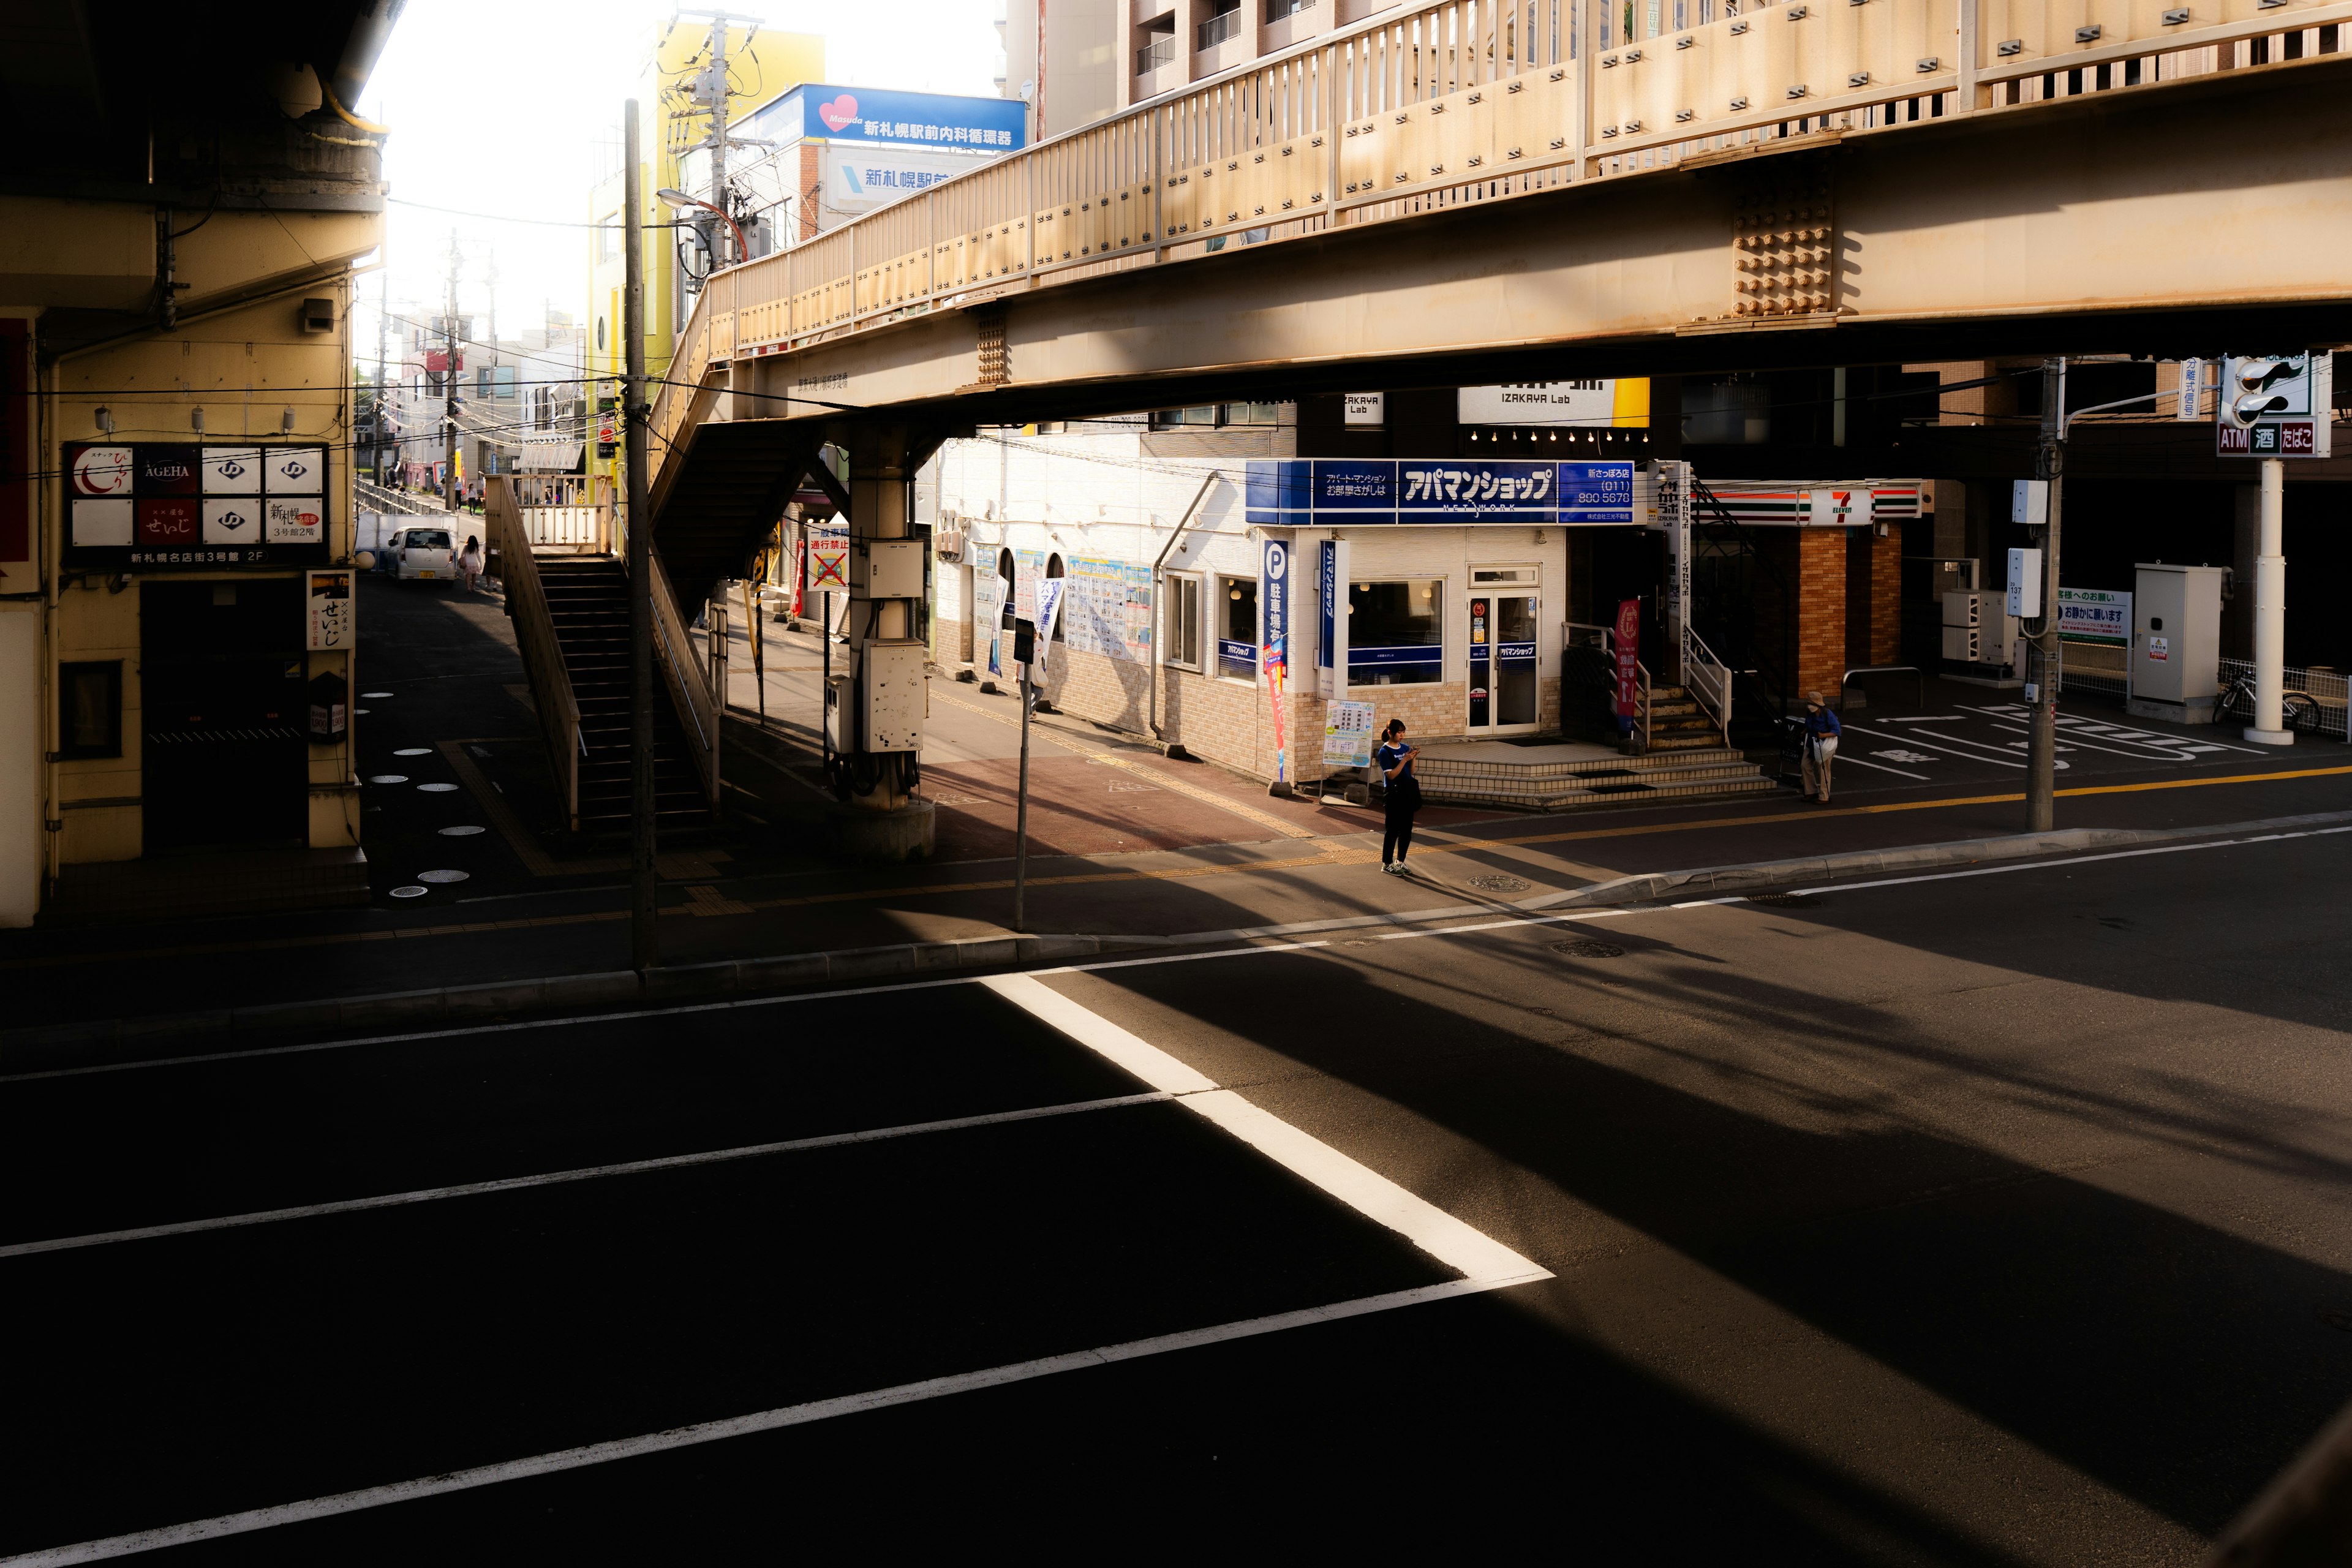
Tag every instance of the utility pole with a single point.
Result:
(711, 93)
(2042, 667)
(645, 910)
(383, 322)
(449, 385)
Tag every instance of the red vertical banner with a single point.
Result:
(16, 446)
(1628, 640)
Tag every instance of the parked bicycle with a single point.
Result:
(2297, 709)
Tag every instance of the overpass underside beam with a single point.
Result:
(2165, 218)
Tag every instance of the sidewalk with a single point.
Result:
(128, 971)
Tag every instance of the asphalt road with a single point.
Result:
(1979, 1218)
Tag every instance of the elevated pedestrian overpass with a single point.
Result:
(1461, 192)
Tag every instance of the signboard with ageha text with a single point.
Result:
(153, 505)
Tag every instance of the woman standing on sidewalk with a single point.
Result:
(1394, 759)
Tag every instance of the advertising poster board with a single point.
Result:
(1347, 735)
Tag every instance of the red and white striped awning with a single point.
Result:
(1817, 503)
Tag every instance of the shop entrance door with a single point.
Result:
(1504, 691)
(224, 714)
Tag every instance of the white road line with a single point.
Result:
(2072, 860)
(1923, 718)
(1950, 747)
(737, 1426)
(1362, 1188)
(584, 1173)
(1882, 767)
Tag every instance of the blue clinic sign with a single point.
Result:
(827, 113)
(1328, 492)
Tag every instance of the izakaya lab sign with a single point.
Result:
(157, 504)
(1328, 492)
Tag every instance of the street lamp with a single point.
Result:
(680, 199)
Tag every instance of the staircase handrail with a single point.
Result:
(1641, 678)
(1708, 679)
(535, 638)
(1773, 677)
(694, 699)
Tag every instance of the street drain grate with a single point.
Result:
(410, 892)
(442, 876)
(459, 832)
(414, 752)
(1501, 884)
(372, 696)
(436, 788)
(388, 778)
(1784, 901)
(1587, 950)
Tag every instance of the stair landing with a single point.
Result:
(1574, 775)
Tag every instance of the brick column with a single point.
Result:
(1821, 612)
(1887, 599)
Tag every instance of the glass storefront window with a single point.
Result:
(1396, 632)
(1237, 627)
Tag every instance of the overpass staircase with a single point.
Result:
(566, 574)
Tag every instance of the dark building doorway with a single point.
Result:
(222, 701)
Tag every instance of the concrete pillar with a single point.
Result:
(2269, 727)
(2237, 610)
(879, 817)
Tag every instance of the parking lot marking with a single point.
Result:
(584, 1173)
(676, 1437)
(1369, 1194)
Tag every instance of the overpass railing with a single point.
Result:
(1435, 105)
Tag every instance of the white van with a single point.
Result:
(426, 552)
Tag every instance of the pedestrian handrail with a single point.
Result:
(535, 638)
(1445, 103)
(1585, 635)
(1708, 679)
(1918, 702)
(694, 700)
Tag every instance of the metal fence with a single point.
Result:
(2326, 687)
(2096, 666)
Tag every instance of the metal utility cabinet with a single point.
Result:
(2175, 647)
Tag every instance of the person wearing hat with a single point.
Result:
(1820, 746)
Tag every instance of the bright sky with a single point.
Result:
(496, 107)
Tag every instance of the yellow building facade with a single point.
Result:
(178, 658)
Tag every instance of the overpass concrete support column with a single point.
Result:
(877, 703)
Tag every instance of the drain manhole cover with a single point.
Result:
(459, 832)
(414, 752)
(372, 696)
(388, 778)
(436, 788)
(1784, 901)
(409, 892)
(1501, 884)
(442, 876)
(1587, 950)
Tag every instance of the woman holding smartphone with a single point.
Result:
(1394, 759)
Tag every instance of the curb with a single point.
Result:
(1760, 874)
(33, 1049)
